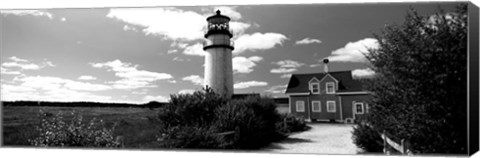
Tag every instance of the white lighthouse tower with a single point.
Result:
(218, 59)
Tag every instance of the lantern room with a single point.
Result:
(218, 24)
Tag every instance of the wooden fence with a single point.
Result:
(402, 147)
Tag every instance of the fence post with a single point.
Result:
(384, 142)
(402, 144)
(237, 134)
(407, 148)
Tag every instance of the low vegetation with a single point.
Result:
(54, 131)
(202, 120)
(198, 120)
(367, 138)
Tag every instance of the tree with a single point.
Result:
(420, 92)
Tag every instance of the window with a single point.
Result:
(330, 87)
(316, 106)
(315, 88)
(331, 106)
(359, 108)
(300, 105)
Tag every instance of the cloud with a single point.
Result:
(286, 75)
(16, 59)
(171, 51)
(159, 98)
(87, 78)
(56, 83)
(27, 12)
(258, 41)
(24, 64)
(177, 59)
(195, 79)
(47, 88)
(129, 28)
(363, 73)
(186, 91)
(21, 92)
(171, 23)
(131, 77)
(239, 28)
(353, 51)
(243, 85)
(48, 63)
(195, 50)
(283, 70)
(245, 65)
(277, 89)
(307, 41)
(228, 11)
(4, 71)
(315, 65)
(286, 67)
(289, 64)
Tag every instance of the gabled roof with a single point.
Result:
(299, 82)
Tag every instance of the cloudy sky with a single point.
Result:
(136, 55)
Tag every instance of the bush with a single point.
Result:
(420, 90)
(54, 131)
(293, 124)
(367, 138)
(256, 119)
(189, 137)
(195, 121)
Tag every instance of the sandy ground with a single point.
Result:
(323, 138)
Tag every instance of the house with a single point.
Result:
(331, 96)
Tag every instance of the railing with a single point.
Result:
(235, 133)
(213, 29)
(403, 147)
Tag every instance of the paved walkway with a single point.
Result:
(322, 138)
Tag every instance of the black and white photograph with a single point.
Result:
(363, 79)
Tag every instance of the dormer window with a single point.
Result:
(315, 88)
(330, 87)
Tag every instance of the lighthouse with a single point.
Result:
(218, 57)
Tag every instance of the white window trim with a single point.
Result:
(319, 106)
(356, 109)
(326, 87)
(334, 106)
(297, 106)
(318, 89)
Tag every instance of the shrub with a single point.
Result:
(256, 119)
(191, 109)
(367, 138)
(54, 131)
(293, 124)
(190, 137)
(420, 89)
(195, 121)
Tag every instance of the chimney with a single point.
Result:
(325, 66)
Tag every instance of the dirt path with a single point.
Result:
(323, 138)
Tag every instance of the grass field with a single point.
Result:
(137, 125)
(134, 124)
